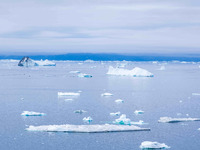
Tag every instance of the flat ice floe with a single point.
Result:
(68, 94)
(153, 145)
(32, 113)
(196, 94)
(138, 112)
(86, 128)
(106, 94)
(174, 120)
(118, 101)
(76, 71)
(115, 114)
(83, 75)
(45, 63)
(135, 72)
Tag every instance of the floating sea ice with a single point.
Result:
(86, 128)
(136, 72)
(139, 112)
(175, 120)
(196, 94)
(123, 120)
(68, 94)
(27, 62)
(79, 111)
(69, 99)
(140, 122)
(115, 114)
(32, 113)
(83, 75)
(153, 145)
(45, 63)
(106, 94)
(74, 71)
(118, 101)
(87, 119)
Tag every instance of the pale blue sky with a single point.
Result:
(118, 26)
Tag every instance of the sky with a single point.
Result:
(99, 26)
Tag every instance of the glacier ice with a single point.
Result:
(138, 112)
(45, 63)
(115, 114)
(123, 120)
(106, 94)
(135, 72)
(87, 119)
(175, 120)
(83, 75)
(86, 128)
(32, 113)
(118, 101)
(68, 94)
(153, 145)
(79, 111)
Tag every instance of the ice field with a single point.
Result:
(70, 91)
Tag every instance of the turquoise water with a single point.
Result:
(35, 89)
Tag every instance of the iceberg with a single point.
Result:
(175, 120)
(79, 111)
(68, 94)
(27, 62)
(118, 101)
(122, 120)
(86, 128)
(139, 112)
(32, 113)
(115, 114)
(135, 72)
(45, 63)
(153, 145)
(83, 75)
(106, 94)
(87, 119)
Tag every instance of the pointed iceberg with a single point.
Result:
(27, 62)
(135, 72)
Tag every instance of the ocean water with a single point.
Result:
(35, 89)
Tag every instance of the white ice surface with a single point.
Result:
(106, 94)
(68, 94)
(196, 94)
(86, 128)
(115, 114)
(122, 120)
(32, 113)
(174, 120)
(118, 101)
(45, 63)
(74, 71)
(153, 145)
(87, 119)
(135, 72)
(138, 112)
(83, 75)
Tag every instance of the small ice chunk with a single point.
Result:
(180, 101)
(83, 75)
(106, 94)
(45, 63)
(79, 111)
(86, 128)
(69, 99)
(115, 114)
(123, 120)
(162, 68)
(187, 114)
(74, 71)
(32, 113)
(118, 101)
(196, 94)
(135, 72)
(140, 122)
(139, 112)
(175, 120)
(153, 145)
(68, 94)
(87, 119)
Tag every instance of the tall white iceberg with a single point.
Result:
(86, 128)
(135, 72)
(153, 145)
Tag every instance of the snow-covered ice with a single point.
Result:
(79, 111)
(106, 94)
(32, 113)
(68, 94)
(86, 128)
(115, 114)
(118, 101)
(153, 145)
(87, 119)
(83, 75)
(135, 72)
(174, 120)
(45, 63)
(139, 112)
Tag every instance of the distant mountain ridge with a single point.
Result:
(110, 57)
